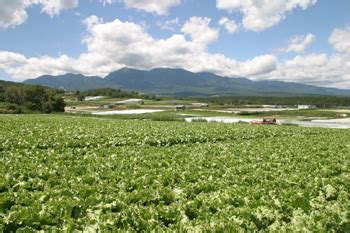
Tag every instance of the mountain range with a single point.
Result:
(179, 82)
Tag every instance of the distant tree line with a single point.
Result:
(110, 92)
(318, 101)
(28, 98)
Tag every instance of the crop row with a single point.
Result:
(60, 173)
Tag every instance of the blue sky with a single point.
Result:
(304, 41)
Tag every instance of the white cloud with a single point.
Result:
(8, 59)
(199, 30)
(105, 2)
(318, 69)
(169, 24)
(92, 21)
(314, 69)
(13, 12)
(152, 6)
(53, 7)
(43, 65)
(340, 39)
(116, 44)
(298, 44)
(262, 14)
(259, 65)
(230, 25)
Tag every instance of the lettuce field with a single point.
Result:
(63, 173)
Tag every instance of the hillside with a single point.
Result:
(179, 82)
(68, 81)
(25, 98)
(4, 84)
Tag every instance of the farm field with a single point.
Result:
(66, 173)
(185, 110)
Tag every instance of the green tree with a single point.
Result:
(33, 99)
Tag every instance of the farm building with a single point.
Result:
(87, 98)
(179, 107)
(306, 107)
(130, 102)
(199, 105)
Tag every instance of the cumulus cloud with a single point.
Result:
(8, 59)
(152, 6)
(262, 14)
(42, 65)
(13, 12)
(230, 25)
(53, 7)
(92, 21)
(298, 44)
(340, 39)
(314, 69)
(199, 30)
(116, 44)
(320, 69)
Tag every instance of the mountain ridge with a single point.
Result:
(180, 82)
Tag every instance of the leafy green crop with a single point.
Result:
(61, 173)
